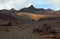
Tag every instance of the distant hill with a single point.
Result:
(32, 9)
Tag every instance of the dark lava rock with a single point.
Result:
(45, 30)
(32, 9)
(6, 23)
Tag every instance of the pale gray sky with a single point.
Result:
(18, 4)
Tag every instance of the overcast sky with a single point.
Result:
(18, 4)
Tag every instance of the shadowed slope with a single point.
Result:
(7, 17)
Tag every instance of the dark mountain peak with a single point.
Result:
(28, 9)
(49, 9)
(31, 7)
(12, 9)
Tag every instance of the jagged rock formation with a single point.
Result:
(32, 9)
(29, 9)
(13, 10)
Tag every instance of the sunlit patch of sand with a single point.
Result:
(31, 16)
(36, 16)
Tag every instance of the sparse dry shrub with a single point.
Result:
(46, 29)
(36, 30)
(9, 24)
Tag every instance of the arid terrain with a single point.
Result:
(29, 23)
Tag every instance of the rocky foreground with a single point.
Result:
(29, 23)
(48, 29)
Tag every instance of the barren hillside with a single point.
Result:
(36, 17)
(29, 25)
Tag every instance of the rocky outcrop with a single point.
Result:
(32, 9)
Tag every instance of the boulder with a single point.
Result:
(5, 23)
